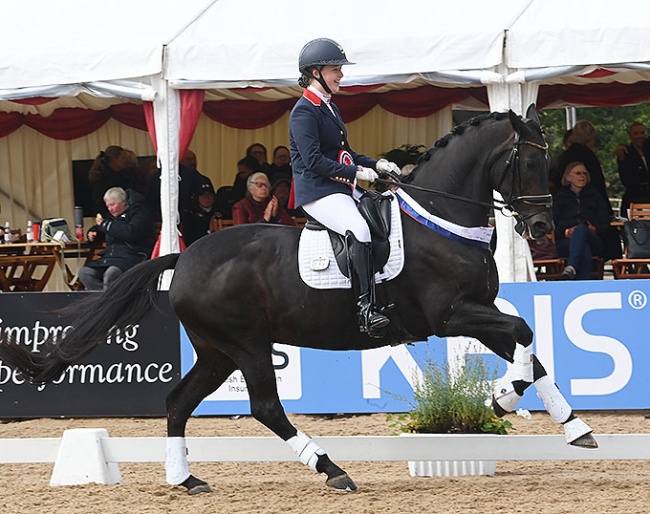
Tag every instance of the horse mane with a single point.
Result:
(458, 130)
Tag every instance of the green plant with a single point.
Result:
(452, 400)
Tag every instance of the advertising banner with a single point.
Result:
(129, 375)
(593, 338)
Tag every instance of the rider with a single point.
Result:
(325, 169)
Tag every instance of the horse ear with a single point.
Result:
(516, 122)
(531, 114)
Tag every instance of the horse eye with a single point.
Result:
(531, 164)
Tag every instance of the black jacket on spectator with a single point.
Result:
(635, 176)
(129, 238)
(570, 209)
(580, 153)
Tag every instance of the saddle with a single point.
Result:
(376, 210)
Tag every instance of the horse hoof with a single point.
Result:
(196, 486)
(585, 441)
(342, 483)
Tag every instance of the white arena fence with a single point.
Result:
(89, 455)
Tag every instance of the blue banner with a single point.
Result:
(591, 336)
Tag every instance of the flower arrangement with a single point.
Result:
(452, 400)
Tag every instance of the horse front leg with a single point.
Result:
(267, 409)
(208, 373)
(510, 336)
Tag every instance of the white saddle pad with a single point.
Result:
(317, 264)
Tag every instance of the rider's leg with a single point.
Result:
(363, 283)
(339, 213)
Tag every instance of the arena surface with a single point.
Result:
(583, 487)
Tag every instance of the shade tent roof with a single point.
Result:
(390, 41)
(568, 33)
(77, 41)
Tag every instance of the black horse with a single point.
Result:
(237, 291)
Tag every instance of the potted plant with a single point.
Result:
(452, 400)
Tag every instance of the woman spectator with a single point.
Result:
(106, 173)
(581, 217)
(259, 206)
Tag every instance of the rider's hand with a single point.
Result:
(384, 166)
(366, 174)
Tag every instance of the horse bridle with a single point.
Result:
(507, 207)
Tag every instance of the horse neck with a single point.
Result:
(465, 169)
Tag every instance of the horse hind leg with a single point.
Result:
(511, 387)
(208, 373)
(267, 409)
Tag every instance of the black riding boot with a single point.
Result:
(363, 285)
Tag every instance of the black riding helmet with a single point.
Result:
(316, 54)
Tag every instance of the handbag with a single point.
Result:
(636, 235)
(542, 249)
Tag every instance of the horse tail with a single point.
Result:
(125, 302)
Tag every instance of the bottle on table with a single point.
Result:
(7, 233)
(29, 232)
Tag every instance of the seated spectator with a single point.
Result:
(581, 217)
(190, 182)
(581, 150)
(280, 168)
(259, 206)
(129, 235)
(197, 220)
(258, 152)
(105, 173)
(633, 167)
(245, 167)
(282, 191)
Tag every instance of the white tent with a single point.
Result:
(151, 49)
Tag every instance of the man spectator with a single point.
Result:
(129, 234)
(633, 161)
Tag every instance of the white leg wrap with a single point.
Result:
(555, 404)
(575, 429)
(305, 448)
(505, 394)
(176, 465)
(522, 367)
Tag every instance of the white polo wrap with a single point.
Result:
(306, 449)
(555, 404)
(522, 367)
(176, 465)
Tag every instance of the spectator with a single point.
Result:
(135, 176)
(197, 221)
(555, 171)
(581, 217)
(105, 173)
(281, 166)
(259, 206)
(129, 234)
(633, 162)
(189, 159)
(258, 151)
(190, 182)
(245, 167)
(282, 191)
(581, 150)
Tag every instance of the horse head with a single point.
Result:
(524, 180)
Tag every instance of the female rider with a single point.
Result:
(325, 169)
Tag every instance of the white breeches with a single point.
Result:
(339, 213)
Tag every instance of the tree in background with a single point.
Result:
(612, 124)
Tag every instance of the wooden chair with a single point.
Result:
(300, 222)
(551, 269)
(633, 268)
(222, 224)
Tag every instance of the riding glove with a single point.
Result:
(366, 174)
(384, 166)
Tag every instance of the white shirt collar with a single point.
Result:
(325, 98)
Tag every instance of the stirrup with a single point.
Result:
(372, 322)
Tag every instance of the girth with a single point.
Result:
(375, 209)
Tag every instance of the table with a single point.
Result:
(29, 266)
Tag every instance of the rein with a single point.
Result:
(506, 207)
